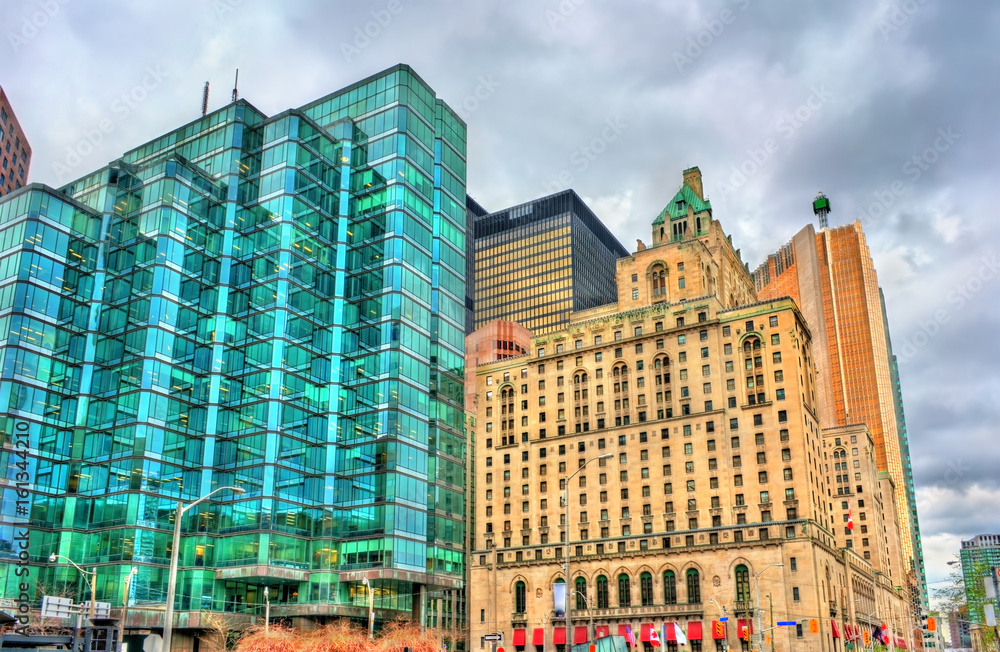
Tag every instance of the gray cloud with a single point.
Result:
(894, 80)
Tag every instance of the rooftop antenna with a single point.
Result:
(236, 93)
(204, 101)
(821, 207)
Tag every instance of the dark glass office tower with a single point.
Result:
(538, 262)
(271, 303)
(473, 211)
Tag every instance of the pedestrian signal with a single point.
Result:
(932, 624)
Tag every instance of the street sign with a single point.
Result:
(724, 619)
(101, 609)
(787, 623)
(53, 607)
(494, 637)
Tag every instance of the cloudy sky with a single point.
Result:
(888, 107)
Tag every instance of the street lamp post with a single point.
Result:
(722, 614)
(175, 552)
(128, 583)
(756, 581)
(869, 619)
(590, 612)
(371, 608)
(569, 580)
(93, 580)
(267, 610)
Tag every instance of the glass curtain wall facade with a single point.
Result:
(538, 262)
(275, 303)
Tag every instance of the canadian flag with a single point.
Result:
(654, 638)
(850, 517)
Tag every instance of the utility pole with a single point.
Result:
(725, 641)
(760, 626)
(570, 585)
(496, 562)
(770, 609)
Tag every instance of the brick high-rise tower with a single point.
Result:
(15, 152)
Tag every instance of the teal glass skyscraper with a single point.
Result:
(272, 303)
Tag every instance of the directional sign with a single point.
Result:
(54, 607)
(494, 637)
(787, 623)
(101, 609)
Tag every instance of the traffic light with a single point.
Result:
(720, 629)
(746, 633)
(867, 637)
(932, 624)
(814, 626)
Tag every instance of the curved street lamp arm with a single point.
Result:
(74, 564)
(236, 490)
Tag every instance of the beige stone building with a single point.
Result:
(680, 426)
(878, 586)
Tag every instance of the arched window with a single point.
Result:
(602, 592)
(742, 584)
(520, 598)
(646, 589)
(658, 281)
(581, 594)
(693, 587)
(843, 476)
(624, 591)
(669, 588)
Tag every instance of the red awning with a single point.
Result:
(519, 636)
(602, 631)
(580, 635)
(836, 632)
(559, 635)
(621, 630)
(644, 633)
(694, 630)
(668, 629)
(901, 642)
(741, 627)
(538, 636)
(715, 634)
